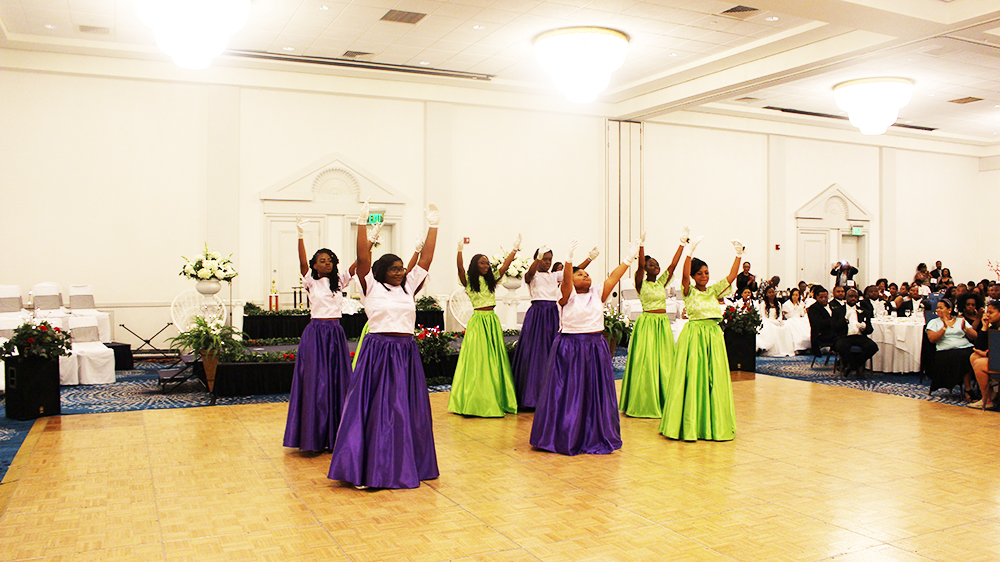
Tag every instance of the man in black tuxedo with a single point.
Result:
(854, 346)
(871, 301)
(821, 320)
(839, 297)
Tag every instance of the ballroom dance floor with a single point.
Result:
(816, 473)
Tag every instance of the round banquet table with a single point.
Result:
(899, 344)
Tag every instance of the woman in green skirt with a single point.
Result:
(483, 385)
(699, 402)
(651, 348)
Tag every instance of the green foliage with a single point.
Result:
(250, 309)
(255, 357)
(273, 341)
(37, 340)
(616, 325)
(203, 336)
(512, 332)
(428, 302)
(433, 343)
(741, 320)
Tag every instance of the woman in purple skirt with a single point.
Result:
(541, 325)
(386, 438)
(323, 364)
(577, 408)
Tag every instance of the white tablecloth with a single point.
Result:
(899, 345)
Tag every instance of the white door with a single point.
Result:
(283, 259)
(852, 251)
(813, 249)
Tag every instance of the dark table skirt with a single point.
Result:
(261, 327)
(249, 379)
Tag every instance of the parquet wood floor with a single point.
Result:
(815, 473)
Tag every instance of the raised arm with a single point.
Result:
(566, 287)
(300, 225)
(738, 246)
(461, 262)
(590, 258)
(616, 275)
(416, 255)
(364, 263)
(372, 237)
(510, 258)
(430, 242)
(533, 268)
(685, 240)
(641, 272)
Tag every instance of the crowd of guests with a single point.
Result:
(814, 319)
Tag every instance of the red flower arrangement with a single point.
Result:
(36, 340)
(433, 343)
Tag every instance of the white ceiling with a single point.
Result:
(683, 53)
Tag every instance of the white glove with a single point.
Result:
(433, 215)
(461, 244)
(738, 246)
(517, 244)
(686, 236)
(633, 252)
(541, 252)
(642, 237)
(420, 244)
(363, 215)
(373, 234)
(300, 225)
(694, 244)
(572, 246)
(594, 253)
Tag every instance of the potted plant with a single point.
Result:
(617, 327)
(31, 357)
(740, 327)
(208, 340)
(436, 354)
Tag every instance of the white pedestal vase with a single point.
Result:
(208, 287)
(511, 299)
(212, 307)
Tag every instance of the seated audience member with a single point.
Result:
(889, 297)
(871, 303)
(883, 286)
(844, 272)
(945, 277)
(970, 285)
(921, 287)
(809, 297)
(970, 307)
(952, 364)
(772, 282)
(556, 267)
(821, 323)
(854, 346)
(746, 279)
(745, 301)
(960, 290)
(794, 312)
(803, 289)
(775, 337)
(980, 355)
(839, 296)
(912, 304)
(993, 291)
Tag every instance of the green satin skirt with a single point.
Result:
(699, 402)
(357, 352)
(483, 384)
(650, 359)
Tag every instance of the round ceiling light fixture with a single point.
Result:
(581, 59)
(193, 32)
(873, 104)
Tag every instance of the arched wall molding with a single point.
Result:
(831, 216)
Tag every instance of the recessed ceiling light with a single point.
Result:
(323, 8)
(673, 54)
(288, 48)
(49, 26)
(908, 121)
(424, 63)
(771, 18)
(930, 95)
(480, 27)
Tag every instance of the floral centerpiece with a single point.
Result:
(617, 327)
(433, 343)
(36, 340)
(743, 320)
(428, 302)
(209, 265)
(517, 268)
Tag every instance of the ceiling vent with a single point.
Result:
(740, 12)
(746, 99)
(400, 16)
(95, 30)
(969, 99)
(358, 55)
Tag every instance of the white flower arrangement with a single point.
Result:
(517, 268)
(209, 265)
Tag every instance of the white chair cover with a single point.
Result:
(81, 301)
(11, 303)
(7, 327)
(96, 360)
(48, 300)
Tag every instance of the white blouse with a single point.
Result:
(584, 312)
(544, 286)
(389, 308)
(323, 302)
(791, 310)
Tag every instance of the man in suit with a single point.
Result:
(914, 304)
(821, 320)
(871, 302)
(839, 297)
(854, 346)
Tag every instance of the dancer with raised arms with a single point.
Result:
(483, 386)
(541, 325)
(323, 365)
(577, 408)
(386, 438)
(651, 348)
(699, 392)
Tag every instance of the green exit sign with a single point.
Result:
(375, 218)
(856, 231)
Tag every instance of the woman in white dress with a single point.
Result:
(794, 313)
(775, 338)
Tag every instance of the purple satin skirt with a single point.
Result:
(319, 386)
(386, 437)
(531, 356)
(577, 408)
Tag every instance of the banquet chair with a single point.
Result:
(96, 360)
(81, 303)
(11, 305)
(48, 301)
(7, 327)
